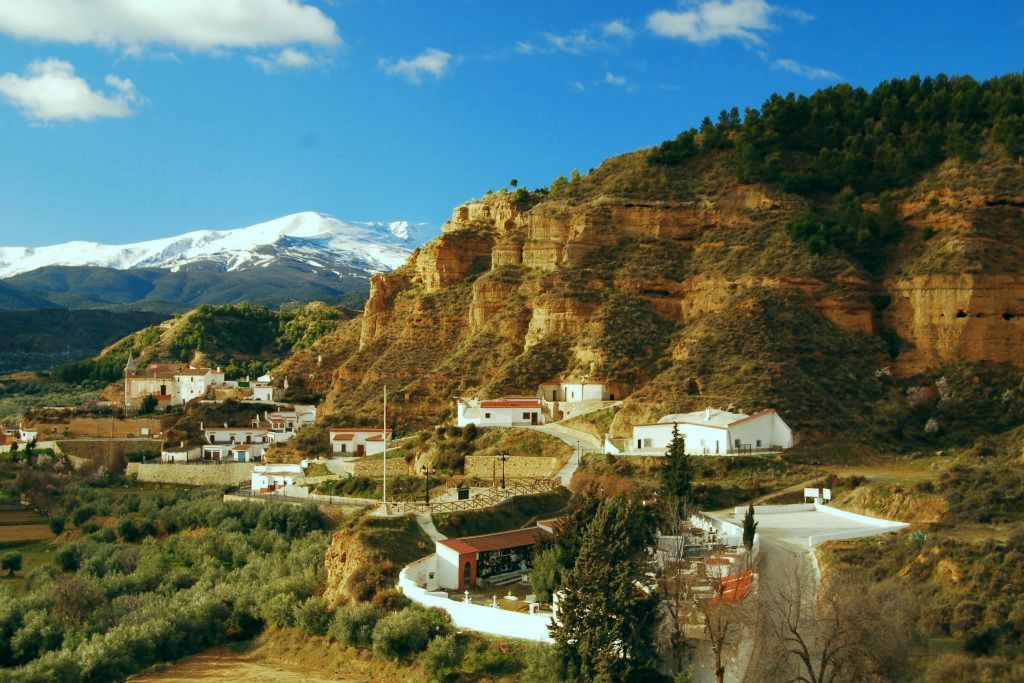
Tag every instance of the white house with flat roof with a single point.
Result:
(713, 432)
(270, 478)
(578, 391)
(511, 411)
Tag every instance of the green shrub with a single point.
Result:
(279, 610)
(313, 617)
(353, 624)
(11, 562)
(400, 635)
(56, 525)
(82, 514)
(442, 657)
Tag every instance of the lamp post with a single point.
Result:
(502, 457)
(427, 471)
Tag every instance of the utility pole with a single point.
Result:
(385, 435)
(427, 471)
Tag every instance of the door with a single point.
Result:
(533, 418)
(467, 576)
(360, 450)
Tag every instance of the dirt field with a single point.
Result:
(24, 532)
(21, 517)
(222, 664)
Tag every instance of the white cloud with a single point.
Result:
(190, 24)
(288, 58)
(577, 86)
(709, 21)
(574, 43)
(433, 62)
(612, 79)
(811, 72)
(525, 47)
(617, 29)
(50, 91)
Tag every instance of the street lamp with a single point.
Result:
(502, 457)
(427, 471)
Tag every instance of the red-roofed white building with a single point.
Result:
(713, 432)
(358, 440)
(464, 563)
(510, 411)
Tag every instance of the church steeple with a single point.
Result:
(130, 365)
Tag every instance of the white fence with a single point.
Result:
(414, 580)
(882, 526)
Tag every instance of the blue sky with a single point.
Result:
(119, 125)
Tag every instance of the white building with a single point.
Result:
(234, 452)
(169, 383)
(578, 391)
(180, 453)
(264, 392)
(512, 411)
(232, 435)
(713, 432)
(358, 440)
(269, 478)
(290, 420)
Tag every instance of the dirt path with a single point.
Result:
(221, 664)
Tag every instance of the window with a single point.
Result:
(759, 443)
(639, 443)
(487, 416)
(526, 416)
(737, 442)
(647, 443)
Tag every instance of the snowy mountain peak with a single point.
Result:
(318, 240)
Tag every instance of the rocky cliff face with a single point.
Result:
(513, 293)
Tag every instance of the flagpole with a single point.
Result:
(385, 435)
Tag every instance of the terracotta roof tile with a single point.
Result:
(498, 541)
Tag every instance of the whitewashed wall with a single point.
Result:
(480, 618)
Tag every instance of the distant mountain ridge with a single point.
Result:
(299, 257)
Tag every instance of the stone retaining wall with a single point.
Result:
(397, 466)
(516, 467)
(227, 474)
(104, 427)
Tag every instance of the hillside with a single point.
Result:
(746, 264)
(245, 340)
(41, 339)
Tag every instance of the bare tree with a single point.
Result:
(846, 631)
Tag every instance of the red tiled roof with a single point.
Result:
(343, 437)
(357, 430)
(511, 403)
(499, 541)
(376, 437)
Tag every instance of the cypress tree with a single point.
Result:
(676, 473)
(607, 611)
(749, 528)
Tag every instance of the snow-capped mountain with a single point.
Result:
(322, 243)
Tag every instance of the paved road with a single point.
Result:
(575, 438)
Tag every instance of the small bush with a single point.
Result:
(57, 525)
(354, 623)
(390, 600)
(442, 658)
(280, 610)
(313, 617)
(402, 634)
(11, 562)
(82, 515)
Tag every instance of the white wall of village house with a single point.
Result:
(769, 429)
